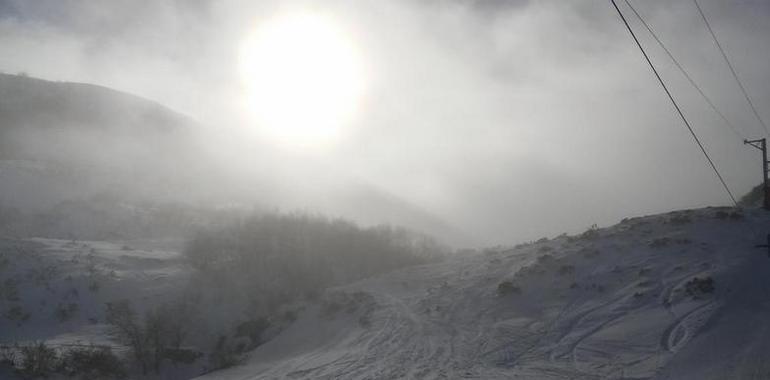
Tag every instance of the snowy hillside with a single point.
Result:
(62, 141)
(683, 295)
(55, 290)
(76, 149)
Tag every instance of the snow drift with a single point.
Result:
(682, 295)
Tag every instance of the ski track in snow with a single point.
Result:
(446, 321)
(611, 306)
(680, 332)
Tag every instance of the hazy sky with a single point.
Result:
(509, 120)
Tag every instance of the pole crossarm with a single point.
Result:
(761, 144)
(755, 143)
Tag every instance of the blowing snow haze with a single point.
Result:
(380, 189)
(481, 122)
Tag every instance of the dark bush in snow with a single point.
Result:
(9, 290)
(364, 321)
(590, 234)
(223, 355)
(16, 314)
(253, 329)
(753, 198)
(65, 312)
(723, 215)
(92, 363)
(289, 316)
(162, 329)
(659, 243)
(589, 253)
(699, 286)
(273, 259)
(507, 287)
(38, 360)
(566, 270)
(7, 357)
(680, 220)
(182, 355)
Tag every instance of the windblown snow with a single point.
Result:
(683, 295)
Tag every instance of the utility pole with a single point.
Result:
(761, 144)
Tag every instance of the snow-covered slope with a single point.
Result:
(56, 290)
(620, 302)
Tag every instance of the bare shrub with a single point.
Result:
(9, 290)
(38, 360)
(590, 234)
(281, 258)
(223, 355)
(253, 329)
(679, 220)
(16, 314)
(507, 287)
(566, 269)
(92, 363)
(65, 312)
(659, 243)
(149, 339)
(698, 287)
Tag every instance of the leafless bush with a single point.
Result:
(65, 312)
(698, 287)
(507, 287)
(152, 338)
(590, 234)
(223, 355)
(679, 220)
(284, 257)
(91, 363)
(38, 360)
(566, 270)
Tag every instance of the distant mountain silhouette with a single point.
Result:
(25, 100)
(60, 141)
(30, 106)
(63, 142)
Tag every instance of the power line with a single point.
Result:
(678, 110)
(686, 74)
(732, 69)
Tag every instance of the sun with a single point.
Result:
(303, 78)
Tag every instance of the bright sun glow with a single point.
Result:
(303, 78)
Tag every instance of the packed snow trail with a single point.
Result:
(619, 302)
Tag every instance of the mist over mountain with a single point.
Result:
(86, 132)
(41, 104)
(368, 189)
(114, 152)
